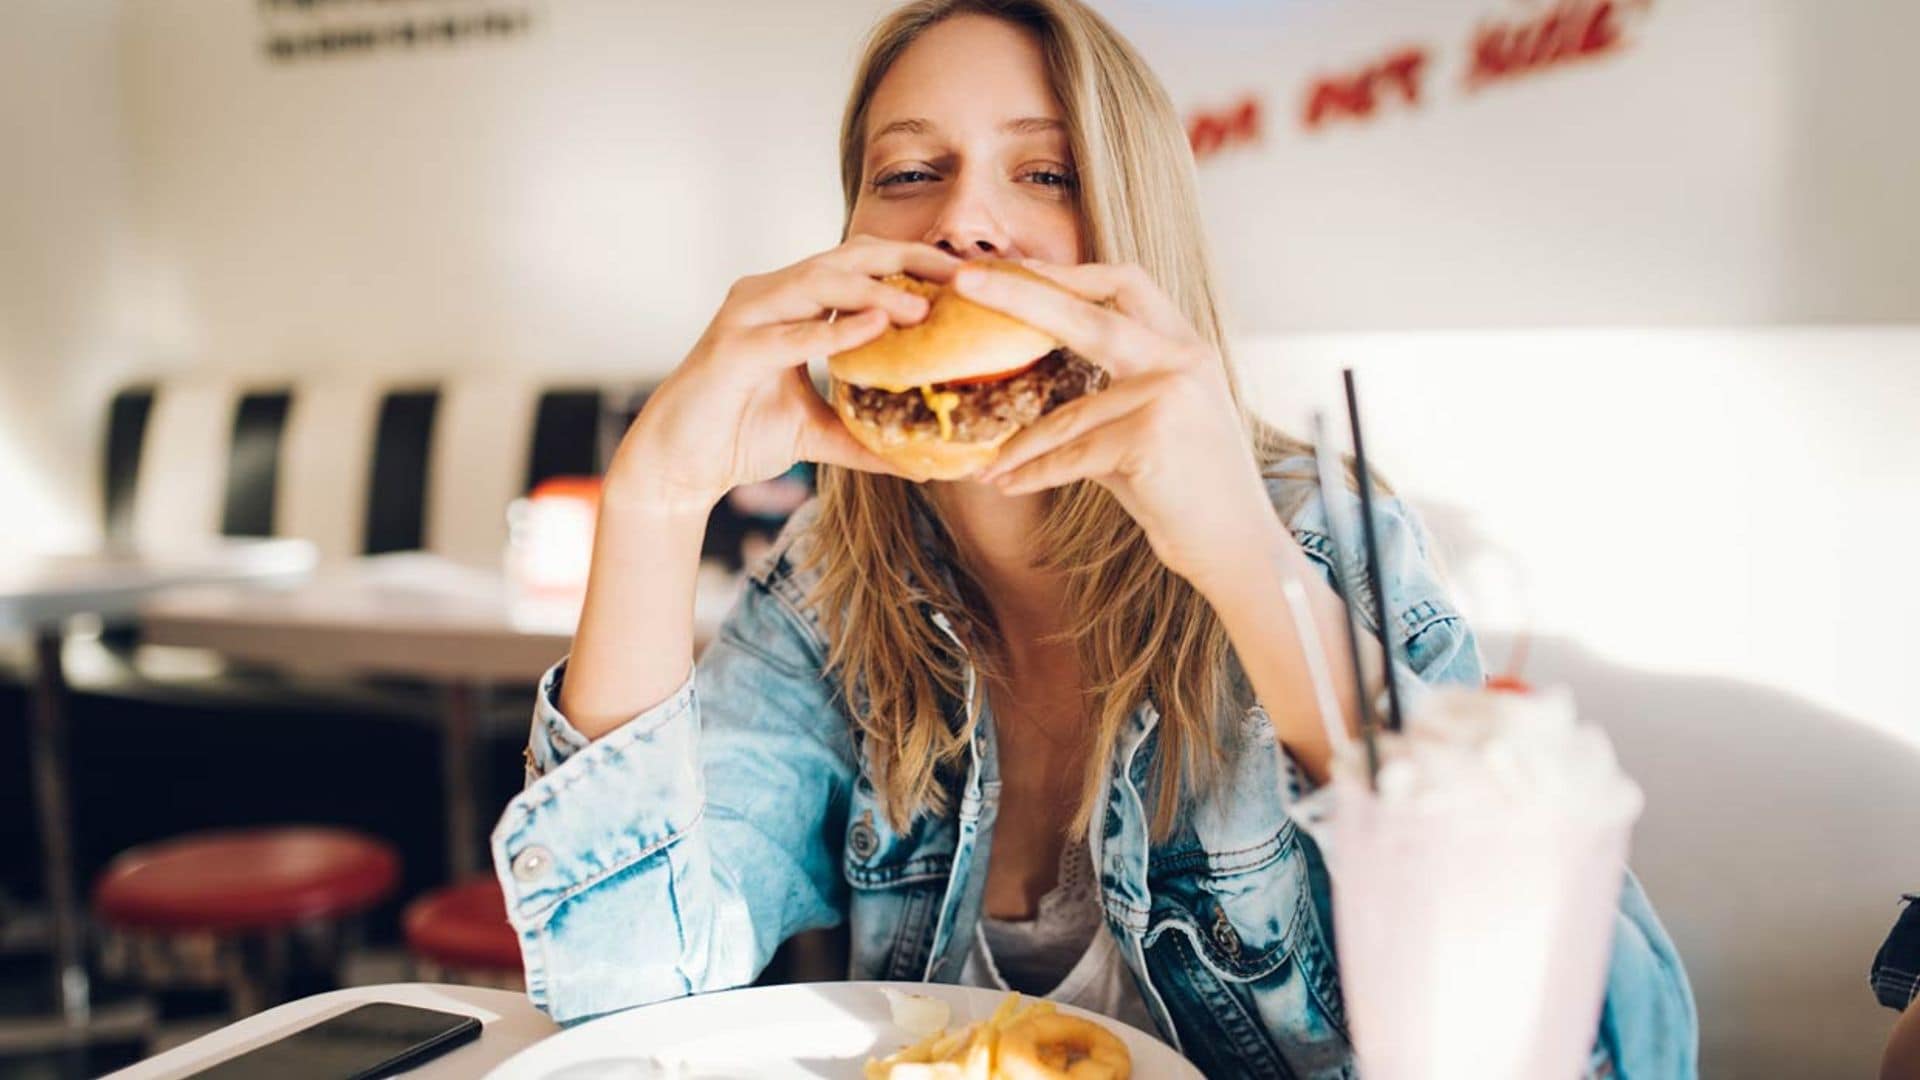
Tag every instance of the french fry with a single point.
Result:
(980, 1055)
(1021, 1040)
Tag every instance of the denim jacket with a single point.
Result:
(673, 855)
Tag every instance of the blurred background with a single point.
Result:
(1632, 288)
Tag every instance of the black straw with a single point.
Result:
(1365, 480)
(1329, 470)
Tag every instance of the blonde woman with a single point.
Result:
(1034, 729)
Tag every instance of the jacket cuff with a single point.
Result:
(628, 794)
(1413, 692)
(554, 739)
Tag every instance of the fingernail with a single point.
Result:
(971, 277)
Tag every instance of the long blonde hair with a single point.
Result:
(1141, 633)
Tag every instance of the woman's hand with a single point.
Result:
(1164, 437)
(740, 407)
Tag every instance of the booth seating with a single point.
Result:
(244, 909)
(357, 466)
(460, 934)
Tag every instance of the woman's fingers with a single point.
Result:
(782, 345)
(1126, 286)
(1120, 343)
(875, 257)
(816, 290)
(1096, 455)
(1073, 420)
(842, 279)
(825, 440)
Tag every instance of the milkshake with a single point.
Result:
(1475, 886)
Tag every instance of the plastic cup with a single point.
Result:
(1473, 943)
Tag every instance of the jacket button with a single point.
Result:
(532, 864)
(862, 840)
(1225, 937)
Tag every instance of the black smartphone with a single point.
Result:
(359, 1044)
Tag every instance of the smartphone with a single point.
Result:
(359, 1044)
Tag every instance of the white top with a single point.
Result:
(1063, 954)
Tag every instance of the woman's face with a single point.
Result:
(966, 148)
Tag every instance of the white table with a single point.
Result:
(409, 614)
(39, 598)
(413, 614)
(509, 1024)
(45, 592)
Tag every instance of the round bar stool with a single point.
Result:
(240, 908)
(460, 934)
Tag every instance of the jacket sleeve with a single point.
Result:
(1432, 644)
(1649, 1028)
(674, 854)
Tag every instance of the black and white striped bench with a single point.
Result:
(356, 466)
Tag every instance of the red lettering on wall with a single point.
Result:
(1355, 95)
(1534, 36)
(1569, 30)
(1209, 132)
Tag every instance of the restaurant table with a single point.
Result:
(407, 614)
(509, 1024)
(40, 597)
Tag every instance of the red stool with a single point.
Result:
(460, 934)
(232, 907)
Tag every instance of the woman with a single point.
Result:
(1035, 729)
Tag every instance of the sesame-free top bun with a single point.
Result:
(958, 339)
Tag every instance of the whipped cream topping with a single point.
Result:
(1465, 750)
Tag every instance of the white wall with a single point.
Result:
(574, 198)
(1727, 502)
(64, 263)
(1735, 162)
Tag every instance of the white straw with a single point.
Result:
(1317, 668)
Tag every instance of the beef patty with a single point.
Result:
(986, 410)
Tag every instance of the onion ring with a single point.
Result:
(1054, 1046)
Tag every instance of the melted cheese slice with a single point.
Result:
(942, 403)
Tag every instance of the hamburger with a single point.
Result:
(937, 399)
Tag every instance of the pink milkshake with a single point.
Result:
(1475, 890)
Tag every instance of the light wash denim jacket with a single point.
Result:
(674, 854)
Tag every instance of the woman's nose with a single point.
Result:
(977, 248)
(968, 228)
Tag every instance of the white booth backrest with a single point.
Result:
(483, 432)
(176, 498)
(326, 455)
(479, 464)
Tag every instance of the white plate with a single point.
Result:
(818, 1031)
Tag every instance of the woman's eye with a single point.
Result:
(903, 176)
(1050, 178)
